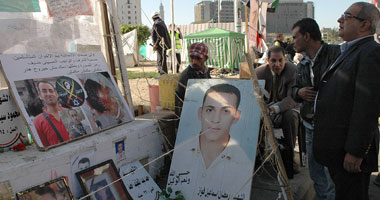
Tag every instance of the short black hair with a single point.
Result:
(84, 160)
(309, 25)
(226, 88)
(46, 190)
(275, 49)
(92, 88)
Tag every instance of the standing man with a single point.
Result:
(161, 42)
(280, 76)
(317, 57)
(48, 124)
(346, 134)
(196, 70)
(178, 47)
(280, 41)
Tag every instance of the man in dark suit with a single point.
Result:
(280, 76)
(346, 136)
(161, 42)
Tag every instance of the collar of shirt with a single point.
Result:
(347, 45)
(206, 69)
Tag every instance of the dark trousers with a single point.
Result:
(161, 61)
(353, 186)
(178, 56)
(289, 125)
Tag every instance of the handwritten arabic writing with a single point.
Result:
(12, 127)
(183, 178)
(206, 192)
(73, 63)
(138, 182)
(176, 179)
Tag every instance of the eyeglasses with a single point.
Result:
(349, 15)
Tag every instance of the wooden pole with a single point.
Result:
(269, 129)
(122, 67)
(246, 27)
(107, 38)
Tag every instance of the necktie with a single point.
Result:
(275, 87)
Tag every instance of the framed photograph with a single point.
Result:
(64, 96)
(97, 180)
(55, 189)
(120, 150)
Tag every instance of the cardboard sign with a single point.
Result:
(12, 127)
(215, 148)
(64, 96)
(138, 182)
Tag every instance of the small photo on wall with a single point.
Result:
(55, 189)
(120, 151)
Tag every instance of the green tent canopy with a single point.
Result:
(225, 48)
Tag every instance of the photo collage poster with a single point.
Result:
(64, 96)
(12, 127)
(216, 142)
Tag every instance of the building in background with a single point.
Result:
(287, 13)
(207, 11)
(129, 12)
(162, 12)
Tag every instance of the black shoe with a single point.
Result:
(377, 180)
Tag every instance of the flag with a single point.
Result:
(253, 21)
(273, 6)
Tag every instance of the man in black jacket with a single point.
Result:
(161, 42)
(317, 57)
(346, 134)
(196, 70)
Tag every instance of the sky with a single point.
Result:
(326, 11)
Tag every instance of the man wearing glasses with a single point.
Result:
(196, 70)
(346, 134)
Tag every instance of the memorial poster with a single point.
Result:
(64, 96)
(216, 142)
(12, 127)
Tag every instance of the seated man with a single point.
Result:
(280, 76)
(196, 70)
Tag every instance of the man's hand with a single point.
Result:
(307, 94)
(155, 48)
(352, 163)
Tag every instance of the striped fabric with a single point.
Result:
(223, 52)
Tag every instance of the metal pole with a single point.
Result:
(219, 8)
(237, 19)
(173, 60)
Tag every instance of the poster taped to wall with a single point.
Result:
(64, 96)
(215, 148)
(12, 127)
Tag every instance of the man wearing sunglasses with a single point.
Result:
(196, 70)
(346, 134)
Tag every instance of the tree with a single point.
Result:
(143, 32)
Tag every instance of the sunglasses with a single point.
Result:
(349, 15)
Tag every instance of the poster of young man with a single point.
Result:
(64, 96)
(216, 143)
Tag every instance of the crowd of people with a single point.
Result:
(332, 92)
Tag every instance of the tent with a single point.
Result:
(226, 48)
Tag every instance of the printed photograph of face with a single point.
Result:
(216, 140)
(218, 112)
